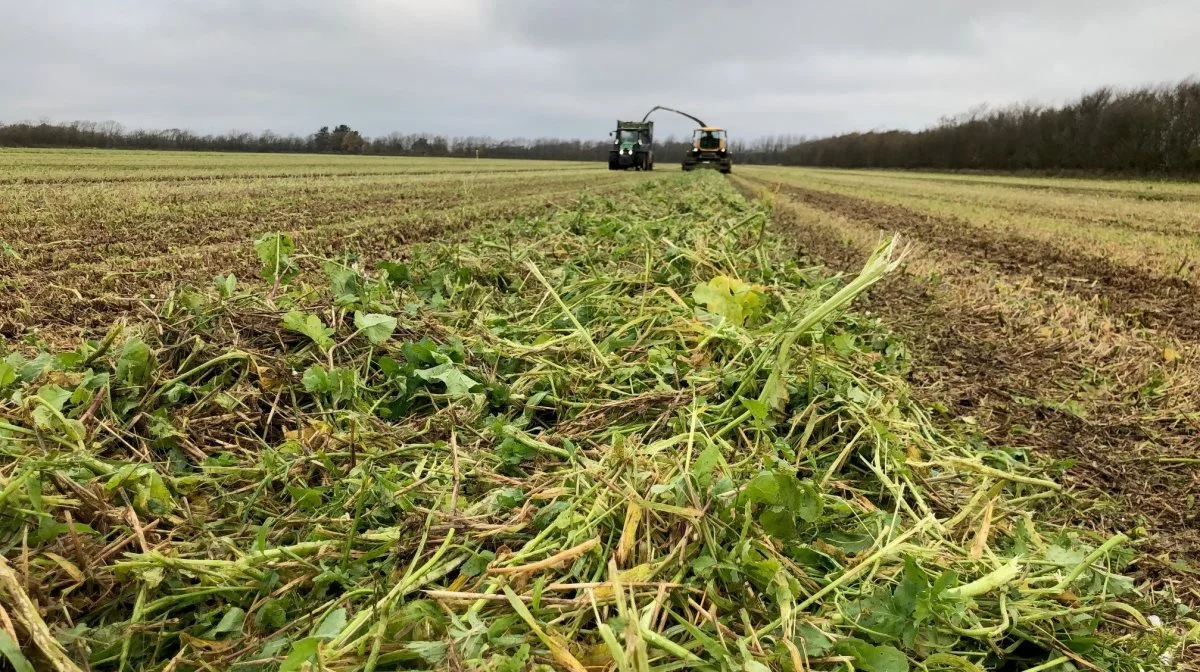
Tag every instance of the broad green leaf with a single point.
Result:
(763, 489)
(457, 383)
(305, 499)
(758, 410)
(397, 274)
(55, 398)
(270, 616)
(311, 326)
(874, 658)
(274, 251)
(802, 498)
(225, 285)
(135, 362)
(779, 523)
(477, 564)
(230, 622)
(705, 463)
(331, 625)
(816, 643)
(344, 283)
(431, 652)
(377, 328)
(730, 298)
(12, 653)
(302, 652)
(8, 374)
(339, 384)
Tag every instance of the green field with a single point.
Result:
(352, 413)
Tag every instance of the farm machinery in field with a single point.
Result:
(633, 145)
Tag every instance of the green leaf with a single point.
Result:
(274, 251)
(874, 658)
(730, 298)
(8, 374)
(270, 616)
(305, 499)
(758, 410)
(311, 326)
(230, 622)
(331, 626)
(763, 489)
(397, 274)
(703, 566)
(779, 523)
(804, 500)
(225, 285)
(134, 364)
(816, 643)
(55, 398)
(339, 384)
(705, 463)
(344, 283)
(12, 652)
(457, 383)
(302, 652)
(377, 328)
(477, 564)
(430, 652)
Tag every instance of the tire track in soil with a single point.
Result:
(1176, 231)
(1159, 302)
(963, 358)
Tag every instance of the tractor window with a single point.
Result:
(627, 136)
(710, 139)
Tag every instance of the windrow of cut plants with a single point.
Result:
(632, 435)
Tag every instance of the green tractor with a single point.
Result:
(633, 146)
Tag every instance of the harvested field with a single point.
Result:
(1058, 315)
(313, 413)
(87, 233)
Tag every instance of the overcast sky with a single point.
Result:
(570, 67)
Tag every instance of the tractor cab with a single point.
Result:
(710, 149)
(709, 139)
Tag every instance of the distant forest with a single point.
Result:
(1146, 129)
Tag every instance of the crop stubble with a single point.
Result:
(1071, 352)
(90, 242)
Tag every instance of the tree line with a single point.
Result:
(1154, 129)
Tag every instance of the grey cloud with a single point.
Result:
(548, 67)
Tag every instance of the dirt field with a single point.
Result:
(1058, 315)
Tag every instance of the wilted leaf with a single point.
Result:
(730, 298)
